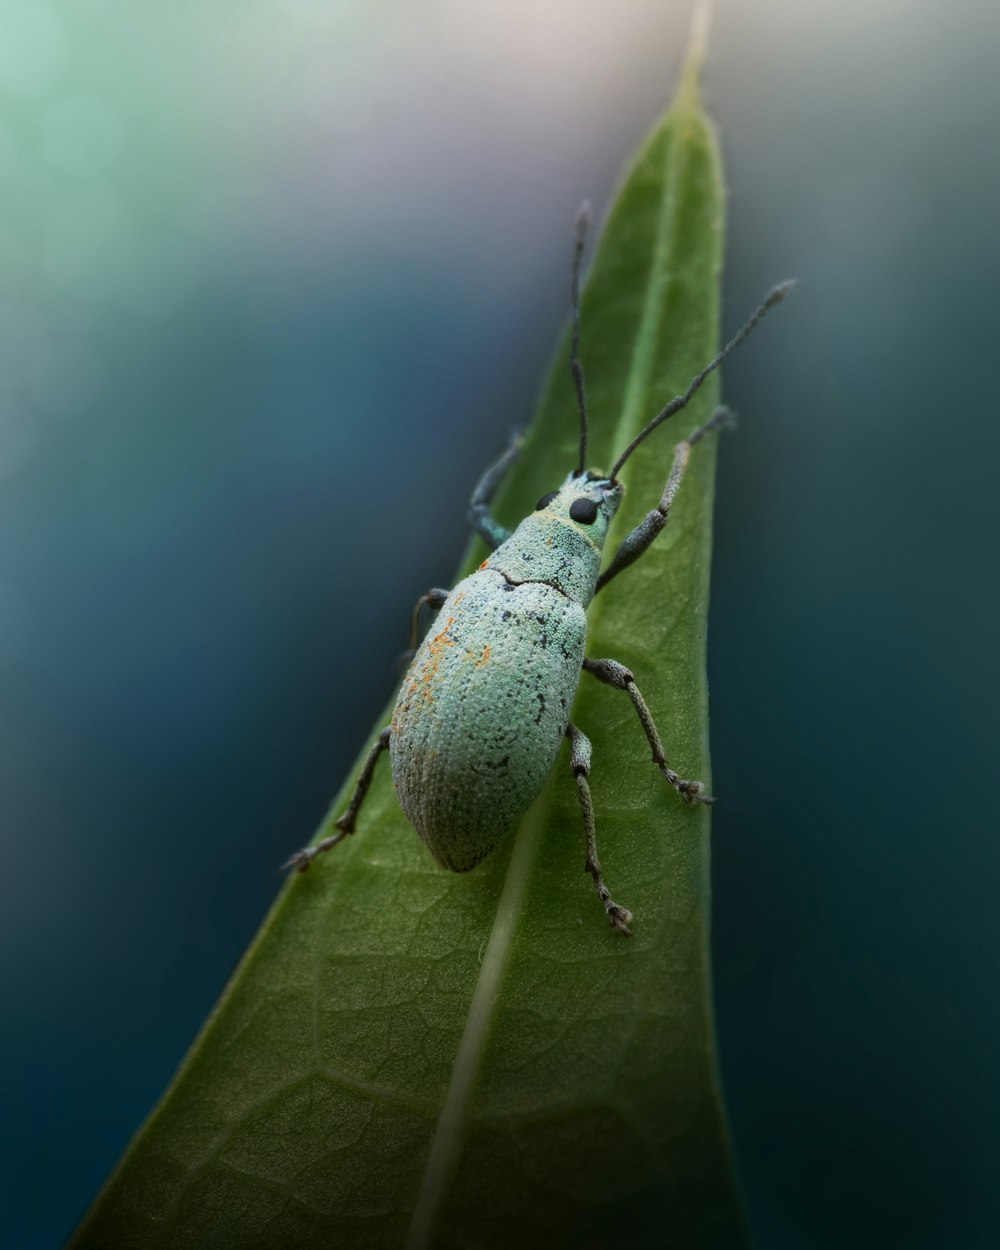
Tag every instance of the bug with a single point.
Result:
(485, 703)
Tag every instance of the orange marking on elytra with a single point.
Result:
(484, 659)
(432, 659)
(442, 638)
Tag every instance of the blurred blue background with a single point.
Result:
(276, 279)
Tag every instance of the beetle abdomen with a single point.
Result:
(482, 712)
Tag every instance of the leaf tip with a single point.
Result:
(697, 48)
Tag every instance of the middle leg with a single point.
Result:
(434, 599)
(614, 674)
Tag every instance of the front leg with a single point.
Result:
(480, 518)
(617, 675)
(635, 544)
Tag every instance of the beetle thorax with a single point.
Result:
(562, 541)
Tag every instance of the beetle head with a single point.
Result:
(587, 501)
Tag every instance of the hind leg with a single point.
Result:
(580, 756)
(302, 859)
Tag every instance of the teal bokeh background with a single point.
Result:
(275, 281)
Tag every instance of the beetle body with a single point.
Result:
(485, 704)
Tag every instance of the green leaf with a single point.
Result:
(411, 1057)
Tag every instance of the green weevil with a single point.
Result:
(485, 703)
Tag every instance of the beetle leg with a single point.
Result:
(635, 544)
(302, 859)
(580, 755)
(479, 514)
(433, 599)
(617, 675)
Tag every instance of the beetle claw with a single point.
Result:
(620, 919)
(301, 860)
(693, 791)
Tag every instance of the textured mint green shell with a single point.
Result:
(482, 712)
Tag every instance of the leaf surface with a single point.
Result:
(407, 1057)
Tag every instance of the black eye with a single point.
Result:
(584, 511)
(545, 500)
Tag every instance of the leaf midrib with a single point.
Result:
(447, 1134)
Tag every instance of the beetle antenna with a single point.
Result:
(575, 366)
(773, 297)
